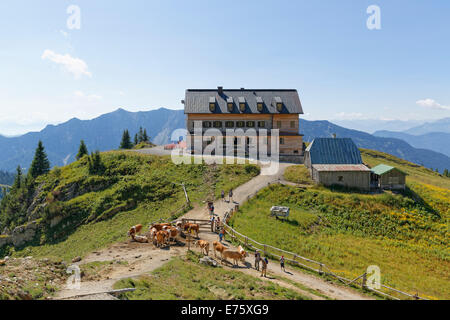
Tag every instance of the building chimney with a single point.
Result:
(334, 135)
(242, 89)
(220, 90)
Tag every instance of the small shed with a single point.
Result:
(387, 177)
(345, 175)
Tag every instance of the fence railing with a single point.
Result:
(310, 264)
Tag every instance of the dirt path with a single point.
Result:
(139, 259)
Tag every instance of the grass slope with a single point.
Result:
(183, 278)
(84, 212)
(406, 235)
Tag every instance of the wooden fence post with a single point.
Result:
(320, 269)
(364, 281)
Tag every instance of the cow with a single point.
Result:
(138, 238)
(134, 230)
(234, 255)
(159, 226)
(217, 246)
(161, 238)
(242, 251)
(204, 246)
(173, 232)
(152, 234)
(194, 227)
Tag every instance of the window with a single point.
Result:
(240, 124)
(217, 124)
(250, 124)
(340, 178)
(261, 124)
(230, 104)
(281, 140)
(206, 124)
(296, 151)
(279, 104)
(259, 104)
(212, 104)
(278, 124)
(293, 124)
(242, 104)
(229, 124)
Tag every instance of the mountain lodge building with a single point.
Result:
(245, 109)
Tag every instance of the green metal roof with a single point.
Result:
(383, 168)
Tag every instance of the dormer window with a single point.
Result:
(278, 104)
(212, 104)
(259, 104)
(242, 104)
(230, 104)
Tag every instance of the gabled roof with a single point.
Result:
(334, 151)
(197, 100)
(384, 168)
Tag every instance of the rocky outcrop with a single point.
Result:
(20, 235)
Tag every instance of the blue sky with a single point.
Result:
(142, 55)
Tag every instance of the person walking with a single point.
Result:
(213, 223)
(212, 209)
(230, 195)
(264, 262)
(221, 235)
(218, 224)
(282, 263)
(257, 259)
(223, 195)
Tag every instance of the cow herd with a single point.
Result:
(162, 234)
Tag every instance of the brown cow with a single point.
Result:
(159, 226)
(217, 246)
(234, 255)
(173, 232)
(204, 246)
(134, 230)
(194, 227)
(161, 238)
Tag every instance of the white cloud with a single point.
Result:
(90, 97)
(432, 104)
(75, 66)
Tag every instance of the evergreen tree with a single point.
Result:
(126, 141)
(141, 135)
(446, 173)
(40, 164)
(136, 141)
(95, 164)
(82, 150)
(18, 180)
(145, 137)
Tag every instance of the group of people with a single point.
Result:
(230, 195)
(264, 261)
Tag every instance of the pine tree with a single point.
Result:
(18, 180)
(126, 141)
(446, 173)
(82, 150)
(145, 137)
(136, 141)
(141, 135)
(95, 163)
(40, 164)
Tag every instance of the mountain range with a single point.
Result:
(105, 132)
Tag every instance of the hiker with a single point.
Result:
(223, 195)
(221, 235)
(213, 223)
(265, 262)
(230, 195)
(218, 226)
(257, 259)
(212, 210)
(282, 263)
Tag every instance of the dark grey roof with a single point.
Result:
(334, 151)
(197, 100)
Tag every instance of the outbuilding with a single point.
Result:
(388, 177)
(337, 161)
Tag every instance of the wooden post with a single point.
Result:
(364, 280)
(320, 269)
(185, 193)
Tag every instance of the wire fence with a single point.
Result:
(310, 264)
